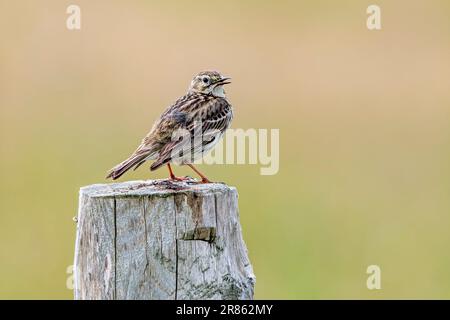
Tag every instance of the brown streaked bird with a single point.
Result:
(186, 130)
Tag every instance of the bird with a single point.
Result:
(186, 130)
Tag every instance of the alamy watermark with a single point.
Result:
(374, 19)
(374, 279)
(238, 146)
(73, 21)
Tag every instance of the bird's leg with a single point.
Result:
(204, 179)
(172, 176)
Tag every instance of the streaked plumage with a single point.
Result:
(203, 111)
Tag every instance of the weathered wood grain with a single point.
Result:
(161, 240)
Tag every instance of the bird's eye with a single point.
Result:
(205, 79)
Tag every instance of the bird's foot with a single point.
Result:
(205, 180)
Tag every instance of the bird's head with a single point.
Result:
(209, 82)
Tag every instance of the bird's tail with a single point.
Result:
(134, 161)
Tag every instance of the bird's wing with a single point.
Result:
(205, 120)
(161, 133)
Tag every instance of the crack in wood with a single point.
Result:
(176, 247)
(144, 212)
(115, 249)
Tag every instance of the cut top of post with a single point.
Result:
(162, 187)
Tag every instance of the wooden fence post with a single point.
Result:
(159, 239)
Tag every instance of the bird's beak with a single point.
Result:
(223, 81)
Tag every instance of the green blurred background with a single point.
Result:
(363, 116)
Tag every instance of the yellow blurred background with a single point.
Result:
(364, 133)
